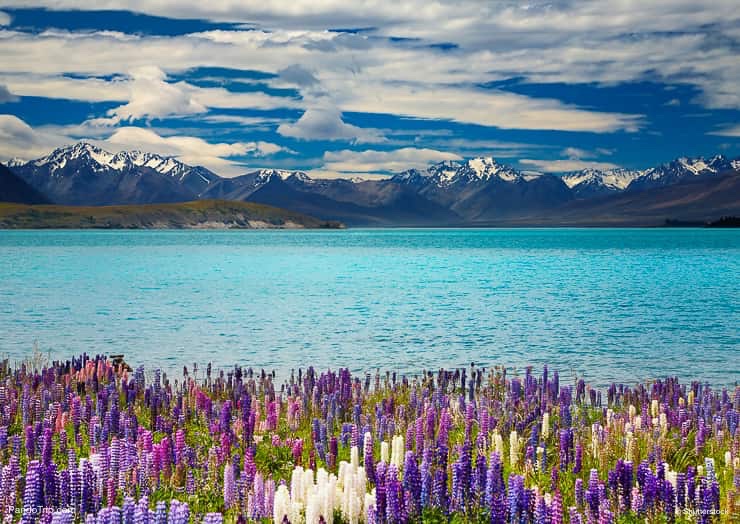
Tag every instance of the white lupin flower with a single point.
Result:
(350, 490)
(540, 451)
(638, 422)
(728, 459)
(296, 481)
(663, 420)
(594, 440)
(654, 408)
(632, 411)
(545, 425)
(384, 452)
(281, 504)
(514, 448)
(498, 444)
(609, 416)
(397, 451)
(691, 398)
(670, 475)
(629, 446)
(354, 457)
(306, 484)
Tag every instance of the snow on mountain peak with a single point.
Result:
(613, 179)
(100, 160)
(485, 168)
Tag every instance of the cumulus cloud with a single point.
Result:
(191, 150)
(373, 161)
(298, 75)
(325, 123)
(6, 96)
(151, 96)
(384, 79)
(687, 42)
(18, 139)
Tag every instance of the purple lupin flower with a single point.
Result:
(439, 489)
(368, 457)
(592, 494)
(574, 516)
(579, 492)
(394, 498)
(32, 493)
(412, 483)
(556, 509)
(578, 462)
(540, 510)
(426, 477)
(229, 486)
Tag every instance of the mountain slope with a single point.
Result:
(84, 174)
(15, 189)
(589, 183)
(477, 191)
(201, 214)
(482, 189)
(406, 209)
(698, 199)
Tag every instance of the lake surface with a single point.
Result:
(608, 304)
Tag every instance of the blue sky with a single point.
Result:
(368, 88)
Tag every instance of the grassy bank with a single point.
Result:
(201, 214)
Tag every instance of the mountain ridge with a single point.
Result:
(476, 190)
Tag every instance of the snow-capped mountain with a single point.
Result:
(481, 188)
(450, 173)
(474, 191)
(85, 174)
(681, 169)
(592, 182)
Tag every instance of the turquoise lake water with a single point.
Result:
(608, 304)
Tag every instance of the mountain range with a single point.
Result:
(478, 191)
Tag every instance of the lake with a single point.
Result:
(607, 304)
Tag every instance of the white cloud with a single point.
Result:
(575, 153)
(483, 107)
(151, 96)
(4, 18)
(730, 130)
(325, 123)
(191, 150)
(372, 161)
(383, 79)
(18, 139)
(685, 42)
(561, 166)
(6, 96)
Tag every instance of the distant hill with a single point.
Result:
(15, 189)
(202, 214)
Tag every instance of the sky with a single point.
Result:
(341, 88)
